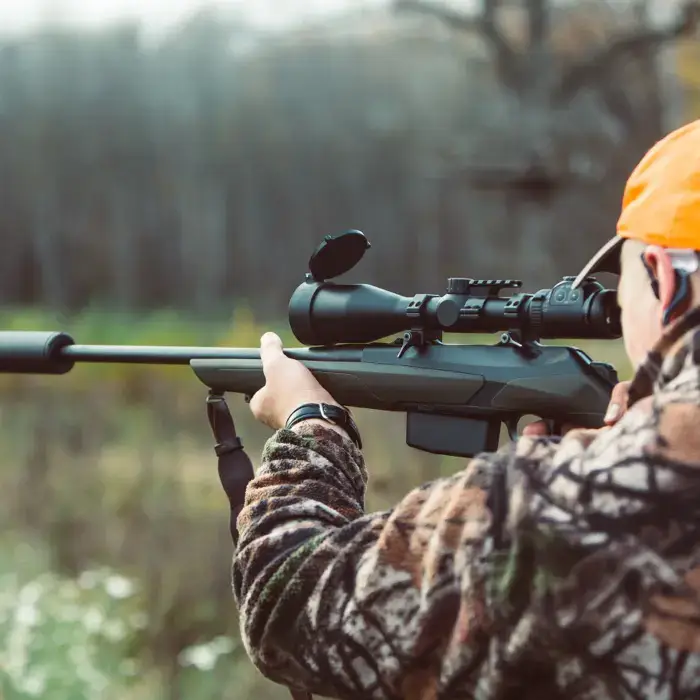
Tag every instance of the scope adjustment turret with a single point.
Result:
(459, 285)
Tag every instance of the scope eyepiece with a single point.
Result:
(588, 311)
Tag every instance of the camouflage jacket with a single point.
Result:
(554, 569)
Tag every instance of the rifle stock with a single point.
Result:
(463, 391)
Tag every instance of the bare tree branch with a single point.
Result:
(484, 23)
(452, 18)
(538, 22)
(603, 60)
(617, 101)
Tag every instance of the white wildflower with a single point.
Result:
(69, 613)
(138, 621)
(93, 619)
(114, 630)
(223, 645)
(47, 628)
(30, 593)
(34, 684)
(8, 596)
(68, 590)
(119, 587)
(17, 651)
(201, 657)
(89, 579)
(204, 656)
(27, 615)
(85, 670)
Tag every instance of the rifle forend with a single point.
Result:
(456, 397)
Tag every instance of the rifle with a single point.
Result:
(456, 397)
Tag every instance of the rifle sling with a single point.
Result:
(235, 470)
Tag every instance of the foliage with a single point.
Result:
(688, 67)
(67, 638)
(189, 175)
(80, 638)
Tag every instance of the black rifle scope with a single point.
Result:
(326, 313)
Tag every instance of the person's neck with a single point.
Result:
(678, 348)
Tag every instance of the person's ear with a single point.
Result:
(660, 268)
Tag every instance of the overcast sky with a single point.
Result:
(22, 15)
(158, 15)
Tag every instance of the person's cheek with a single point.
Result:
(640, 332)
(629, 339)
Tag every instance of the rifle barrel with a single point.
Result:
(42, 352)
(183, 355)
(145, 354)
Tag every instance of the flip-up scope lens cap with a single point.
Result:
(337, 255)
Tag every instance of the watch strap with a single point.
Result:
(330, 413)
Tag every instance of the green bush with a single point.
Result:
(65, 639)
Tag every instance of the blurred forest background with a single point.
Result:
(172, 192)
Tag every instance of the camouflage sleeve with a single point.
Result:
(456, 589)
(350, 605)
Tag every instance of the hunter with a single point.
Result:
(560, 567)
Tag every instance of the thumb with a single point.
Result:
(619, 399)
(258, 403)
(270, 350)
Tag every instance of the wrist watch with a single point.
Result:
(331, 413)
